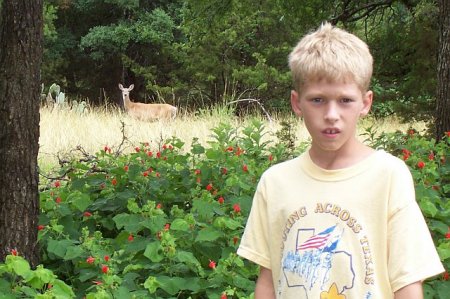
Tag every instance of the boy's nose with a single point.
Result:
(331, 112)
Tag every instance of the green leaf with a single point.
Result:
(173, 285)
(80, 200)
(204, 208)
(179, 224)
(428, 208)
(19, 265)
(41, 277)
(152, 252)
(87, 274)
(59, 248)
(208, 234)
(444, 251)
(61, 290)
(131, 223)
(443, 289)
(73, 252)
(151, 284)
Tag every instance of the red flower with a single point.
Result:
(197, 171)
(245, 168)
(421, 164)
(431, 156)
(58, 200)
(87, 214)
(125, 168)
(224, 170)
(237, 208)
(130, 238)
(90, 260)
(209, 187)
(239, 151)
(447, 235)
(445, 276)
(221, 200)
(96, 282)
(406, 154)
(158, 155)
(212, 264)
(137, 149)
(145, 173)
(167, 226)
(229, 149)
(41, 227)
(114, 182)
(270, 158)
(107, 149)
(411, 132)
(157, 174)
(223, 296)
(447, 133)
(14, 252)
(159, 206)
(57, 184)
(106, 258)
(105, 269)
(164, 146)
(149, 153)
(235, 240)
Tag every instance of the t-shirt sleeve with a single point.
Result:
(254, 244)
(412, 255)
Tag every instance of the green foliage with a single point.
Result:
(201, 53)
(163, 222)
(18, 280)
(429, 163)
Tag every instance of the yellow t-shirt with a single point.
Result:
(348, 233)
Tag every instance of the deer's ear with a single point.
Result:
(120, 86)
(131, 87)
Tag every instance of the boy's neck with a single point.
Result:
(341, 158)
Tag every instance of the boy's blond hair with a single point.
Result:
(332, 54)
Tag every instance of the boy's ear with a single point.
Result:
(367, 103)
(295, 103)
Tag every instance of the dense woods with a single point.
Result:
(195, 53)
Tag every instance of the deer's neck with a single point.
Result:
(127, 102)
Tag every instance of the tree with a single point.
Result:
(20, 60)
(443, 71)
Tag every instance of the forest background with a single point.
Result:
(199, 53)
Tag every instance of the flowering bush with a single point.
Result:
(162, 223)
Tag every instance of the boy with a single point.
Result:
(340, 220)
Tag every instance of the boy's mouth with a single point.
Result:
(331, 131)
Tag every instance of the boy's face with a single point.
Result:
(331, 111)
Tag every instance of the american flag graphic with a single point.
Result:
(317, 241)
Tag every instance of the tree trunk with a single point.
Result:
(20, 61)
(443, 70)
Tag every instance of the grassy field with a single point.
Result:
(63, 130)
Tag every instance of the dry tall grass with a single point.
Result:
(62, 130)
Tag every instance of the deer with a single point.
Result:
(146, 112)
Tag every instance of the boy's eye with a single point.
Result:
(316, 100)
(346, 100)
